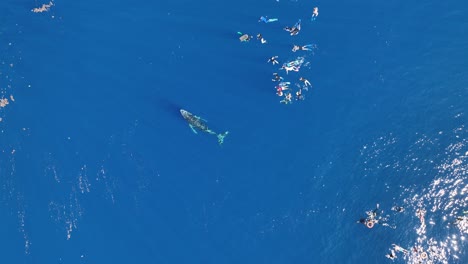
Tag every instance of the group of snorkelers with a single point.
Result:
(284, 89)
(375, 217)
(417, 253)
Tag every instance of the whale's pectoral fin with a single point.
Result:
(199, 118)
(193, 129)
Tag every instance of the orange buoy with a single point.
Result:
(370, 224)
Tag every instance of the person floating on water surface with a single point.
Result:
(305, 81)
(287, 99)
(371, 218)
(260, 37)
(315, 14)
(280, 89)
(282, 86)
(391, 255)
(290, 68)
(265, 19)
(295, 29)
(307, 47)
(244, 37)
(375, 217)
(276, 77)
(421, 255)
(397, 248)
(273, 60)
(299, 95)
(398, 209)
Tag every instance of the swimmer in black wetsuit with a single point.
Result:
(398, 209)
(276, 77)
(273, 60)
(260, 37)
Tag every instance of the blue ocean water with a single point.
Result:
(98, 166)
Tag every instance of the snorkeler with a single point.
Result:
(280, 89)
(287, 99)
(290, 68)
(420, 253)
(260, 37)
(399, 249)
(398, 209)
(307, 47)
(315, 14)
(295, 29)
(299, 95)
(374, 212)
(244, 37)
(305, 81)
(371, 218)
(361, 221)
(265, 19)
(391, 255)
(368, 222)
(273, 60)
(285, 85)
(276, 77)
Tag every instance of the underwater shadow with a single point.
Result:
(169, 107)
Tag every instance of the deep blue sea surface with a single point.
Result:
(98, 166)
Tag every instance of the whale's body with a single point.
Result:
(197, 123)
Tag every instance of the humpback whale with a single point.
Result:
(197, 123)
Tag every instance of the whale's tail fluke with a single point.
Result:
(222, 136)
